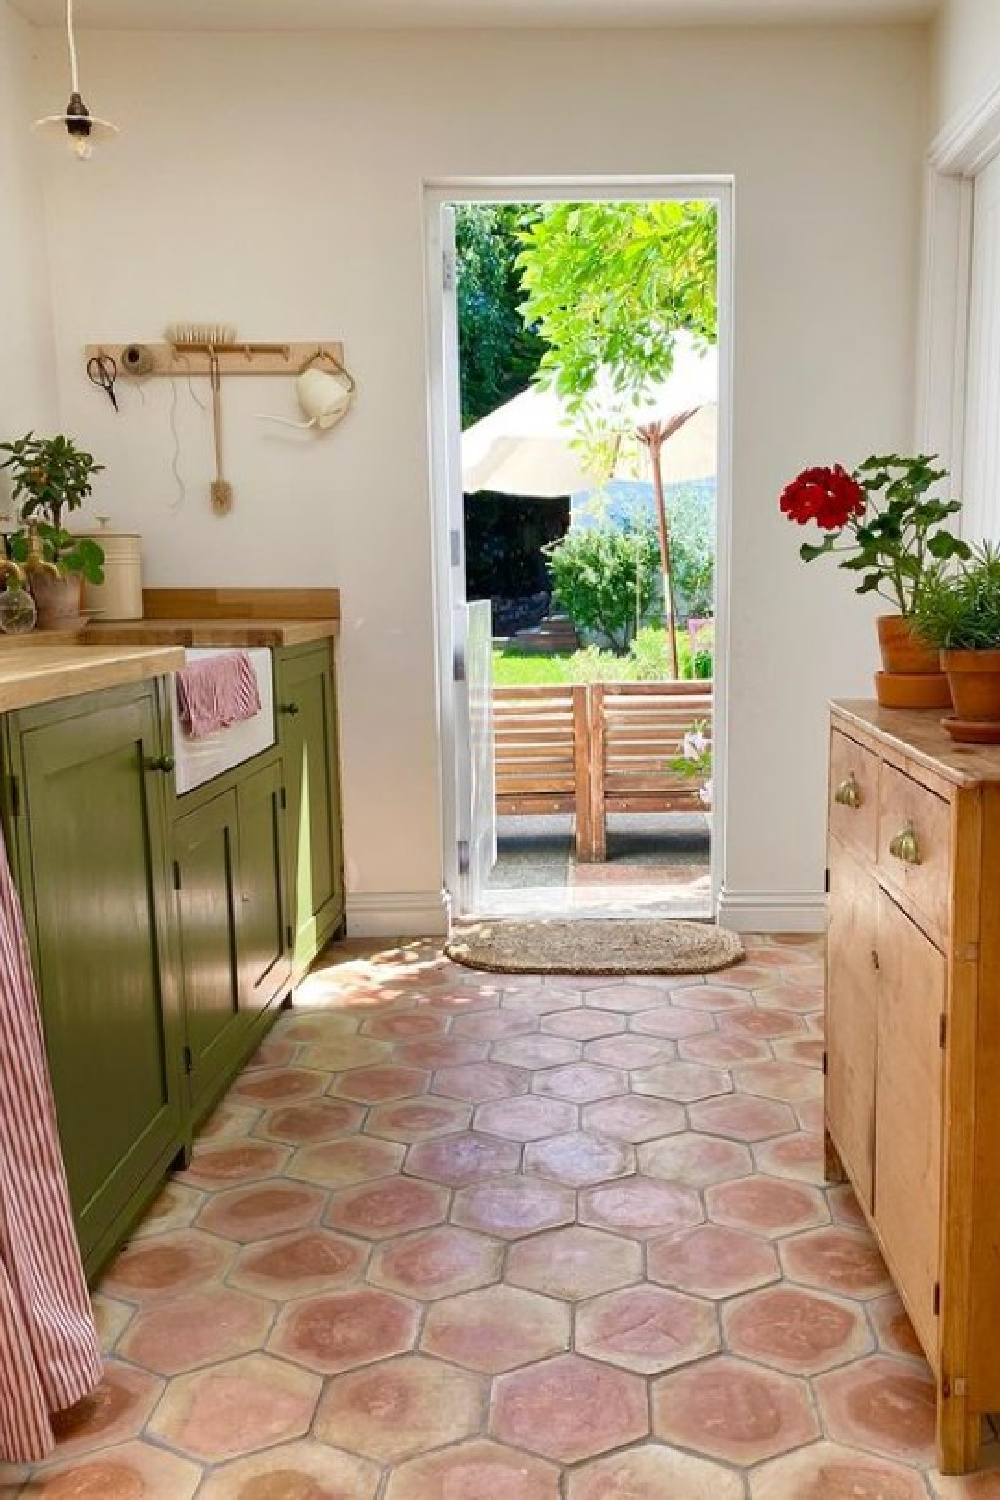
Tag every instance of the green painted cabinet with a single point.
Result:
(89, 826)
(307, 731)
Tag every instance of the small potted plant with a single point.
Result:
(958, 614)
(695, 760)
(50, 477)
(882, 522)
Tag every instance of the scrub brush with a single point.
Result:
(208, 339)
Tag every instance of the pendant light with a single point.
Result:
(80, 126)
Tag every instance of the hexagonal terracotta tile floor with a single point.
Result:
(460, 1237)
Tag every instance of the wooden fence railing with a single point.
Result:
(595, 748)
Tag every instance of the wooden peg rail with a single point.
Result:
(250, 357)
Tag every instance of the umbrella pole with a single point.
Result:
(653, 437)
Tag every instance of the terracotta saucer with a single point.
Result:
(973, 731)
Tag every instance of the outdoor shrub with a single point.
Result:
(691, 517)
(594, 665)
(604, 578)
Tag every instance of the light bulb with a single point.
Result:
(81, 146)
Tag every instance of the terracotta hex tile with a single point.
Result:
(578, 1159)
(646, 1329)
(197, 1330)
(314, 1120)
(836, 1260)
(799, 1156)
(296, 1471)
(625, 999)
(802, 998)
(271, 1084)
(227, 1122)
(406, 1026)
(496, 1329)
(112, 1318)
(267, 1208)
(581, 1083)
(472, 1471)
(810, 1116)
(458, 1160)
(887, 1405)
(440, 1052)
(742, 1118)
(672, 1024)
(787, 1081)
(712, 1261)
(320, 1026)
(230, 1162)
(733, 1411)
(583, 1025)
(574, 1263)
(345, 1329)
(640, 1206)
(339, 1054)
(536, 1051)
(175, 1207)
(681, 1081)
(342, 1163)
(653, 1472)
(983, 1485)
(826, 1471)
(766, 1205)
(478, 1083)
(273, 1052)
(512, 1206)
(893, 1328)
(632, 1119)
(753, 978)
(167, 1266)
(117, 1410)
(386, 1081)
(133, 1471)
(527, 1118)
(807, 1050)
(298, 1265)
(629, 1052)
(714, 997)
(721, 1049)
(796, 1330)
(418, 1119)
(393, 1206)
(694, 1160)
(765, 1024)
(540, 1000)
(436, 1263)
(236, 1408)
(494, 1026)
(569, 1409)
(401, 1408)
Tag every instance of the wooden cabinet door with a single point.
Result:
(263, 923)
(206, 853)
(909, 1094)
(94, 879)
(307, 720)
(851, 1017)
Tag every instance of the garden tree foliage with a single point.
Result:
(605, 579)
(499, 349)
(691, 513)
(609, 284)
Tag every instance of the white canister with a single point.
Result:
(119, 597)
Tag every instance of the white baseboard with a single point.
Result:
(773, 911)
(397, 914)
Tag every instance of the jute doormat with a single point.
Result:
(594, 946)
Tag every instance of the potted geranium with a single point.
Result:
(958, 613)
(882, 522)
(50, 477)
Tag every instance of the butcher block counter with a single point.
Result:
(42, 673)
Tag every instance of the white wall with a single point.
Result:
(967, 56)
(27, 370)
(275, 181)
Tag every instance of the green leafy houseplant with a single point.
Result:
(959, 613)
(50, 477)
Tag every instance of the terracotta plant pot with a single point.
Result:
(975, 684)
(911, 675)
(58, 601)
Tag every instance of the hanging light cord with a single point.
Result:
(74, 71)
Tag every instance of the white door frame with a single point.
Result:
(440, 191)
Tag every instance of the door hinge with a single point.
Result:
(177, 875)
(943, 1031)
(826, 880)
(284, 799)
(826, 1063)
(455, 536)
(464, 859)
(448, 269)
(289, 935)
(937, 1299)
(188, 1060)
(15, 797)
(458, 665)
(875, 962)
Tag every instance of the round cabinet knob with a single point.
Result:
(162, 763)
(288, 708)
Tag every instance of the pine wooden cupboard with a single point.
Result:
(913, 1034)
(162, 928)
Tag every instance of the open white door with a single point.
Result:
(471, 637)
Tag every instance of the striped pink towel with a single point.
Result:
(216, 692)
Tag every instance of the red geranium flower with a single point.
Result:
(830, 496)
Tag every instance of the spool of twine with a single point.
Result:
(137, 359)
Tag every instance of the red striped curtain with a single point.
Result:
(50, 1354)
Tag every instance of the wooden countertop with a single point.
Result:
(917, 733)
(32, 674)
(201, 632)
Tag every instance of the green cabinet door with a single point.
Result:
(263, 921)
(93, 873)
(307, 727)
(206, 854)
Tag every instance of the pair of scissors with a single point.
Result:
(102, 370)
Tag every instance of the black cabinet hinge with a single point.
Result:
(284, 799)
(875, 962)
(943, 1031)
(15, 797)
(177, 875)
(937, 1299)
(188, 1060)
(289, 935)
(826, 1063)
(826, 880)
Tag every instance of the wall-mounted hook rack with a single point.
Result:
(241, 357)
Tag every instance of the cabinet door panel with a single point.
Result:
(909, 1090)
(263, 936)
(851, 1017)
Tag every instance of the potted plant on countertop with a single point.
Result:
(882, 522)
(958, 614)
(50, 477)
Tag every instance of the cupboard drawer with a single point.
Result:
(853, 794)
(914, 846)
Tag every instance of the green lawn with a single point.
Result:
(515, 668)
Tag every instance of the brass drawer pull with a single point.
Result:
(288, 708)
(904, 846)
(848, 793)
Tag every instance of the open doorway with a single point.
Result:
(581, 715)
